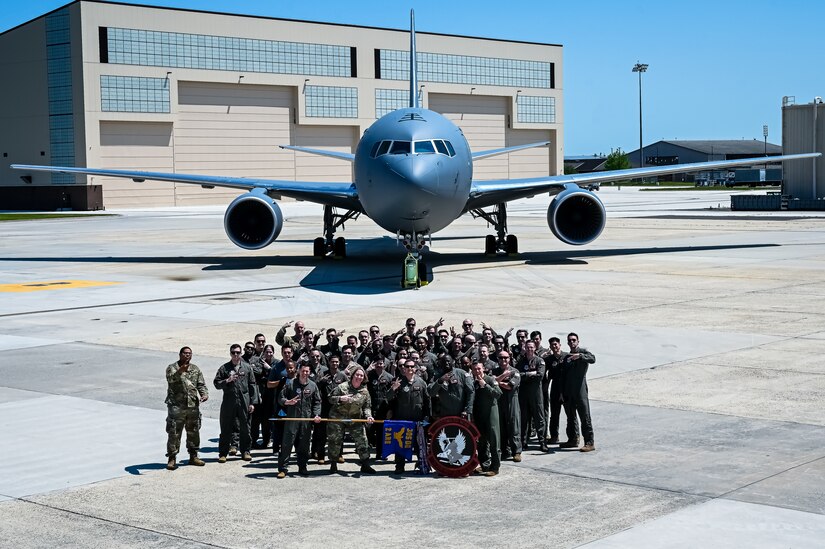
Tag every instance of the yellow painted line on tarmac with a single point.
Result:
(52, 285)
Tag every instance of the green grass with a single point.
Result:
(32, 216)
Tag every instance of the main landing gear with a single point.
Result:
(501, 241)
(414, 269)
(323, 245)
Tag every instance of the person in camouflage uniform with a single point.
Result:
(300, 398)
(186, 390)
(350, 400)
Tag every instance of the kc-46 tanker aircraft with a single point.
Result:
(413, 177)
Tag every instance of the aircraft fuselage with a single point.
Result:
(413, 170)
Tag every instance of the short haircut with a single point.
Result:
(345, 347)
(259, 335)
(286, 346)
(574, 334)
(330, 330)
(535, 333)
(182, 349)
(554, 339)
(233, 346)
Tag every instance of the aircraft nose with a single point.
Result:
(419, 172)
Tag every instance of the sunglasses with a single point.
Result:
(235, 352)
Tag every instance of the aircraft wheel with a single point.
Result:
(319, 247)
(339, 248)
(490, 247)
(511, 245)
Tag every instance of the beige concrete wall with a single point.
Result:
(24, 102)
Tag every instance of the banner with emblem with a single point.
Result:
(398, 438)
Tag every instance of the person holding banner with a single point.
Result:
(409, 401)
(300, 398)
(485, 416)
(350, 400)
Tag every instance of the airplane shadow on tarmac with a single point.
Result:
(374, 265)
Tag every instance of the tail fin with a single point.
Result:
(413, 66)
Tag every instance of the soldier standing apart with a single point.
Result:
(576, 400)
(509, 381)
(300, 398)
(240, 395)
(186, 390)
(531, 368)
(350, 400)
(409, 401)
(485, 416)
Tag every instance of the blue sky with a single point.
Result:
(718, 69)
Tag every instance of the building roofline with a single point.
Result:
(209, 12)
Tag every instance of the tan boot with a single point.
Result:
(172, 463)
(247, 456)
(195, 460)
(589, 447)
(233, 451)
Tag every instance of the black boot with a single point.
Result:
(333, 466)
(365, 467)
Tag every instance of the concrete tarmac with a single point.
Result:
(707, 395)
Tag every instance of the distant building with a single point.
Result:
(584, 164)
(668, 152)
(804, 179)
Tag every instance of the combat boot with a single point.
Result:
(233, 451)
(366, 467)
(333, 466)
(247, 456)
(517, 458)
(195, 460)
(543, 447)
(172, 463)
(588, 447)
(572, 443)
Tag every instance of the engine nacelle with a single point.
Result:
(576, 216)
(253, 220)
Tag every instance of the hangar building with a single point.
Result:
(118, 85)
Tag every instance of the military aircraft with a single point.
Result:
(413, 177)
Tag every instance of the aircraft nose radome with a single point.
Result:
(418, 172)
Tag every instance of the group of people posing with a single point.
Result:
(514, 393)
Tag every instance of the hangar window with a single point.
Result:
(400, 147)
(424, 147)
(331, 101)
(133, 94)
(467, 69)
(536, 109)
(202, 51)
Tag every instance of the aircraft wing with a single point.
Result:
(488, 193)
(321, 152)
(340, 195)
(505, 150)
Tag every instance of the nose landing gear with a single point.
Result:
(414, 269)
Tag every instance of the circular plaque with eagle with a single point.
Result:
(452, 449)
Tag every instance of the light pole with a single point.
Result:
(765, 135)
(640, 68)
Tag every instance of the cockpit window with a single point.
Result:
(450, 148)
(424, 147)
(374, 151)
(400, 147)
(439, 145)
(385, 146)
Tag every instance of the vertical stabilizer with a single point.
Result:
(413, 65)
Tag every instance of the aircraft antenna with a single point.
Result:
(413, 66)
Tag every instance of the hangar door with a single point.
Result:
(231, 130)
(484, 121)
(144, 146)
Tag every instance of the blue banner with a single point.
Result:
(398, 438)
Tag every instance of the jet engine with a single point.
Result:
(253, 220)
(576, 216)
